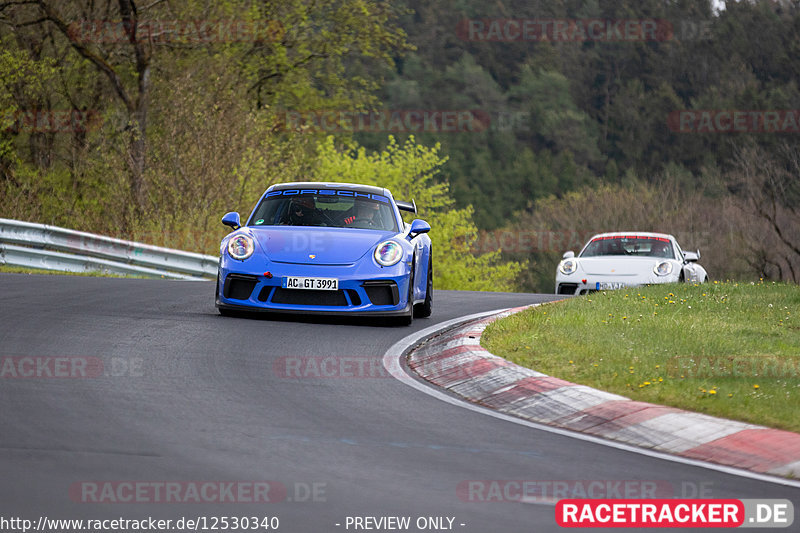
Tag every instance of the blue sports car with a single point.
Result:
(327, 248)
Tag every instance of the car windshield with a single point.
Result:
(325, 209)
(630, 245)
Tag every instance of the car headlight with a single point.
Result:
(241, 247)
(663, 269)
(388, 253)
(568, 266)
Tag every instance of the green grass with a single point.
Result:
(726, 349)
(92, 273)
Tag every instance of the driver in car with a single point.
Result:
(364, 214)
(303, 212)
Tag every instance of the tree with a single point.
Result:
(409, 171)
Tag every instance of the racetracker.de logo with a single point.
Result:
(744, 367)
(52, 121)
(51, 367)
(393, 121)
(564, 30)
(177, 492)
(544, 491)
(734, 121)
(175, 31)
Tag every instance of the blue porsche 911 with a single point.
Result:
(327, 248)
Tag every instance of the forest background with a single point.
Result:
(520, 127)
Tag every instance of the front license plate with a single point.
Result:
(609, 285)
(320, 284)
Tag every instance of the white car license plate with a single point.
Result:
(609, 285)
(320, 284)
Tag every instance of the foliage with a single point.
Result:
(186, 128)
(409, 171)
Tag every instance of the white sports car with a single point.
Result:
(627, 259)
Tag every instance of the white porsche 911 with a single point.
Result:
(627, 259)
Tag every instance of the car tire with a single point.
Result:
(408, 319)
(425, 309)
(223, 312)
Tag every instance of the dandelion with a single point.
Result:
(755, 387)
(712, 391)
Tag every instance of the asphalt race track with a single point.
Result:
(190, 396)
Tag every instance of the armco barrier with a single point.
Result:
(31, 245)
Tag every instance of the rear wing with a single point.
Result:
(405, 206)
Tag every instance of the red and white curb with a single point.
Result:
(455, 361)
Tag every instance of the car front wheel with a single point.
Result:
(425, 309)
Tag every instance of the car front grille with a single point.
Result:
(309, 297)
(239, 286)
(382, 292)
(567, 288)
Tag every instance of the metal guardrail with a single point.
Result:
(31, 245)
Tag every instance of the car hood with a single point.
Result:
(618, 265)
(328, 246)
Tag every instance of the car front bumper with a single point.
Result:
(586, 283)
(361, 290)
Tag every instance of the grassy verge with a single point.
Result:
(725, 349)
(92, 273)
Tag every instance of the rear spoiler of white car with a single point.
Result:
(405, 206)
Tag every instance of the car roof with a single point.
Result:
(331, 185)
(633, 234)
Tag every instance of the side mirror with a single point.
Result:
(232, 219)
(568, 255)
(418, 226)
(691, 257)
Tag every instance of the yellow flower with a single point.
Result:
(755, 386)
(712, 391)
